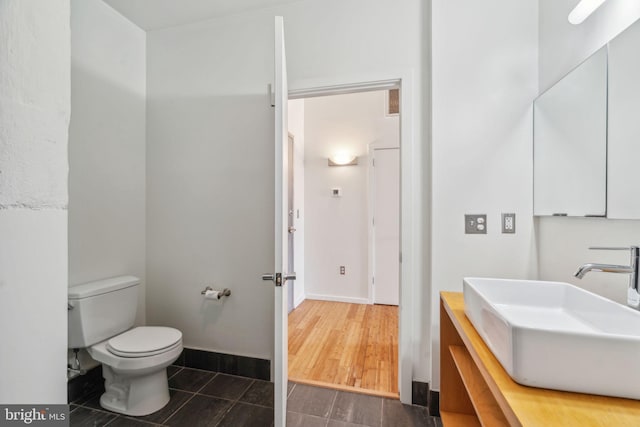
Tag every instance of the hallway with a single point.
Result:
(352, 347)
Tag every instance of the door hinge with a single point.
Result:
(373, 280)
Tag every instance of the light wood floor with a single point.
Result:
(346, 346)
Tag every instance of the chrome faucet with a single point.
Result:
(633, 293)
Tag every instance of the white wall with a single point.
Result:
(484, 80)
(563, 242)
(106, 146)
(563, 46)
(210, 153)
(34, 118)
(296, 128)
(210, 183)
(337, 228)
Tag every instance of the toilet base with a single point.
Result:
(134, 395)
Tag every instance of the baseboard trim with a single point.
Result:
(351, 300)
(298, 301)
(250, 367)
(420, 393)
(434, 403)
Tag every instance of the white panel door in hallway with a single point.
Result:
(386, 225)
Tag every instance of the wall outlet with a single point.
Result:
(475, 224)
(342, 270)
(509, 223)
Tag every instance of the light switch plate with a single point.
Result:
(475, 224)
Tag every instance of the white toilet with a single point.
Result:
(134, 361)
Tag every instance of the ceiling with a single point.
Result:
(155, 14)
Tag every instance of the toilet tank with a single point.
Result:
(102, 309)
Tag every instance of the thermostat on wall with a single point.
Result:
(336, 192)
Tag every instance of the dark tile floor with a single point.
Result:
(202, 398)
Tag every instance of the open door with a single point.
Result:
(280, 275)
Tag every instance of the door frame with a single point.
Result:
(410, 185)
(370, 210)
(291, 241)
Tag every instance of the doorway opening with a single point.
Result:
(344, 237)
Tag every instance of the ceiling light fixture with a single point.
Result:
(583, 10)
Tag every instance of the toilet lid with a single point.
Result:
(144, 341)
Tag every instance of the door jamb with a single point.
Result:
(291, 153)
(410, 244)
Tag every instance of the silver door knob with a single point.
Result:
(279, 278)
(292, 230)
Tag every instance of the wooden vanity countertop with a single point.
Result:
(537, 407)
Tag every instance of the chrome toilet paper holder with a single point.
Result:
(224, 293)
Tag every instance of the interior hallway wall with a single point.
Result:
(563, 242)
(34, 120)
(337, 227)
(210, 156)
(107, 147)
(485, 57)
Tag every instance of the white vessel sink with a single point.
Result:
(558, 336)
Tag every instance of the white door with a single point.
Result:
(280, 276)
(386, 226)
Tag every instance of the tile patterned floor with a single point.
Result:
(203, 398)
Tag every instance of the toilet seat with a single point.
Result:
(144, 341)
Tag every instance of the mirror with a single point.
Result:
(623, 188)
(570, 143)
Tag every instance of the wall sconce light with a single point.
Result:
(343, 159)
(583, 9)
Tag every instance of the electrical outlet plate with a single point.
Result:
(508, 223)
(475, 224)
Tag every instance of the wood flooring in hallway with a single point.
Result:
(345, 346)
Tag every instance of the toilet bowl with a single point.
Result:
(134, 360)
(134, 368)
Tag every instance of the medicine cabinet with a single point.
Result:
(587, 136)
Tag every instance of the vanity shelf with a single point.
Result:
(476, 391)
(484, 404)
